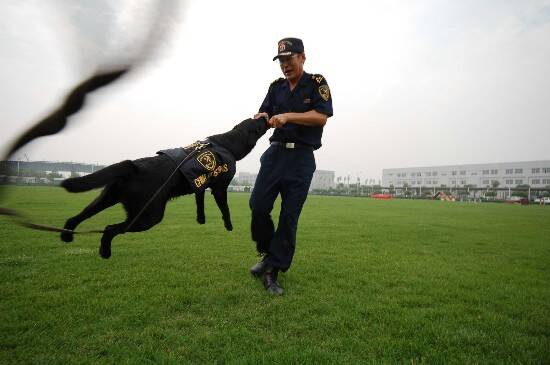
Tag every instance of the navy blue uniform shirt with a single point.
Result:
(311, 93)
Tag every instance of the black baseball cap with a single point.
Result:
(288, 46)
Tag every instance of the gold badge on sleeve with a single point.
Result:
(324, 91)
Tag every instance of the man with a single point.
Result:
(298, 107)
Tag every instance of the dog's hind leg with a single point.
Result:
(107, 198)
(151, 216)
(108, 235)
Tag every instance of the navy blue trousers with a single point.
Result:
(287, 172)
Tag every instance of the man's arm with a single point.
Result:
(310, 118)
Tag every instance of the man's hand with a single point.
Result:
(260, 115)
(279, 120)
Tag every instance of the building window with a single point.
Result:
(443, 174)
(413, 174)
(453, 182)
(519, 171)
(428, 174)
(485, 172)
(434, 173)
(509, 182)
(545, 181)
(462, 182)
(519, 182)
(546, 170)
(463, 172)
(474, 173)
(509, 171)
(494, 172)
(485, 182)
(434, 182)
(535, 181)
(535, 170)
(418, 174)
(453, 173)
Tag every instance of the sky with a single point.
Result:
(414, 83)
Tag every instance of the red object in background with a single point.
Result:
(522, 201)
(382, 196)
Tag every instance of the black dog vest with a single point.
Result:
(210, 164)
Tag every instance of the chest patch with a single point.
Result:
(207, 160)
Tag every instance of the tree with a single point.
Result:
(52, 175)
(490, 194)
(521, 193)
(406, 191)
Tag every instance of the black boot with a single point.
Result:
(270, 281)
(259, 268)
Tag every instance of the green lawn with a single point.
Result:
(396, 282)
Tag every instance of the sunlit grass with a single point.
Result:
(372, 282)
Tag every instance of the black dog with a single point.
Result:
(211, 164)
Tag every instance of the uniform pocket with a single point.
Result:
(310, 158)
(265, 156)
(307, 162)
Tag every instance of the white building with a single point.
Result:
(246, 178)
(536, 174)
(322, 179)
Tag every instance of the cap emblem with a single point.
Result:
(283, 45)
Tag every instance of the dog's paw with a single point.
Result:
(201, 220)
(66, 237)
(228, 226)
(105, 251)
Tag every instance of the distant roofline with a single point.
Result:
(52, 162)
(468, 164)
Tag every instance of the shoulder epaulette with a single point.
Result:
(317, 77)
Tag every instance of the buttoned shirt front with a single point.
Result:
(311, 93)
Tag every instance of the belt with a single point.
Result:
(292, 145)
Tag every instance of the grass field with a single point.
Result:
(373, 282)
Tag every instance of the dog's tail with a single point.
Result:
(99, 178)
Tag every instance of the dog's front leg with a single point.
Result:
(199, 199)
(220, 195)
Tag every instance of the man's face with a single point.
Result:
(292, 66)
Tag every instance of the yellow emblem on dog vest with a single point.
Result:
(207, 160)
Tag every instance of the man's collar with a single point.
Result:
(302, 82)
